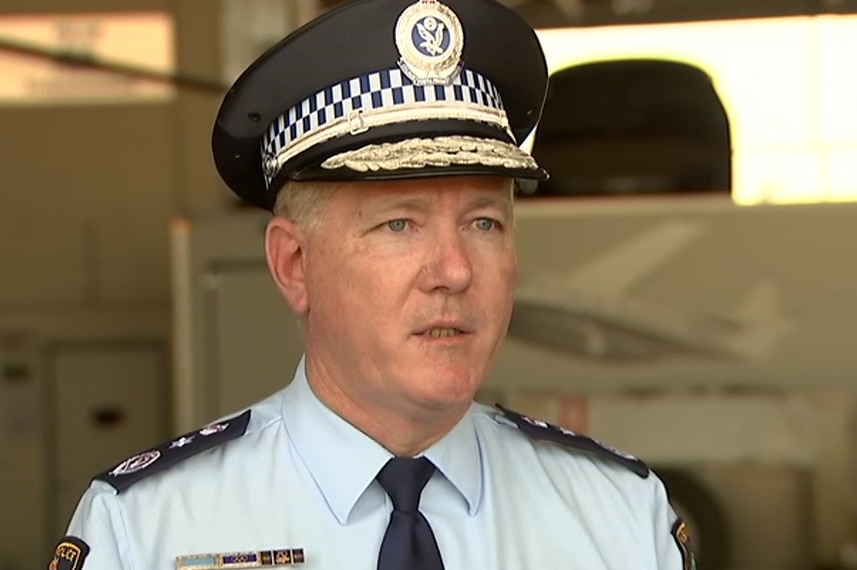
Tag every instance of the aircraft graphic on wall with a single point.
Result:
(591, 311)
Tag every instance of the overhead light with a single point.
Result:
(571, 8)
(626, 7)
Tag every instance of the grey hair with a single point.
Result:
(302, 202)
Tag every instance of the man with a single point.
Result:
(384, 136)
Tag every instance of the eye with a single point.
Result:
(486, 224)
(397, 226)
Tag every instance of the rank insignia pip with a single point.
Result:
(177, 449)
(543, 430)
(69, 554)
(681, 534)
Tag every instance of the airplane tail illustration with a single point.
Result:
(762, 320)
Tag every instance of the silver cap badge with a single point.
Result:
(430, 40)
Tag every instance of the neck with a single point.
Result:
(405, 431)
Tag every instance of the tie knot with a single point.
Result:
(404, 478)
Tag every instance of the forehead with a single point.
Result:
(464, 190)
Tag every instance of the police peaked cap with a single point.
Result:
(386, 89)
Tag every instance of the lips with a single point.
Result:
(443, 330)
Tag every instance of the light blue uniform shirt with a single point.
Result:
(300, 477)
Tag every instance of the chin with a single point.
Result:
(450, 387)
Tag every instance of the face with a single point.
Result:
(409, 288)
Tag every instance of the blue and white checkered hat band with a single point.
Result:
(380, 98)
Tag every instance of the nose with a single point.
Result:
(449, 266)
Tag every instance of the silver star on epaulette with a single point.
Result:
(181, 442)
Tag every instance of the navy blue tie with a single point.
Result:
(409, 543)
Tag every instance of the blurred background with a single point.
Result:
(687, 285)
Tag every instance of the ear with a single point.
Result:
(284, 249)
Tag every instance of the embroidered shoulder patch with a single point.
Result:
(681, 535)
(174, 451)
(543, 430)
(69, 554)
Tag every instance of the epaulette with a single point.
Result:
(543, 430)
(174, 451)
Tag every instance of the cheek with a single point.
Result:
(327, 277)
(502, 291)
(510, 267)
(338, 309)
(355, 285)
(501, 271)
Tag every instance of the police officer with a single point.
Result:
(384, 137)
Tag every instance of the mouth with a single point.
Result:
(443, 329)
(442, 332)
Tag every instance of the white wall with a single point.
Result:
(87, 196)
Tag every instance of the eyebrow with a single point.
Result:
(411, 203)
(403, 203)
(487, 201)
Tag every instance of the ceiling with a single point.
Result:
(565, 13)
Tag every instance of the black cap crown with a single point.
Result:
(385, 89)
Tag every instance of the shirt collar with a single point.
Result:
(315, 431)
(344, 476)
(458, 457)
